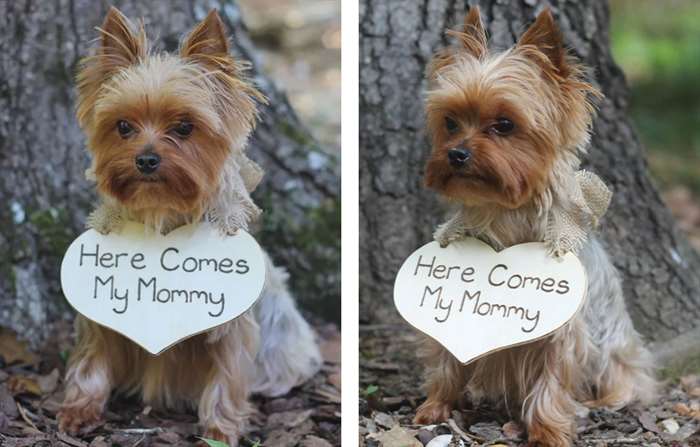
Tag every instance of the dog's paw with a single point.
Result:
(72, 420)
(445, 238)
(227, 228)
(216, 435)
(432, 412)
(543, 435)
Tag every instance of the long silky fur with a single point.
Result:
(598, 358)
(269, 349)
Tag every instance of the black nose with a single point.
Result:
(458, 157)
(148, 162)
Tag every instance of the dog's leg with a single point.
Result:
(549, 409)
(446, 383)
(223, 407)
(288, 354)
(88, 379)
(621, 368)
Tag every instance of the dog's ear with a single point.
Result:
(472, 37)
(207, 41)
(544, 34)
(120, 45)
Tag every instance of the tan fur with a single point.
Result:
(510, 186)
(203, 175)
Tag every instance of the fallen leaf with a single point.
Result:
(681, 409)
(384, 420)
(512, 430)
(670, 426)
(288, 419)
(685, 432)
(213, 443)
(396, 437)
(99, 442)
(70, 440)
(23, 384)
(14, 351)
(648, 421)
(446, 441)
(315, 441)
(49, 382)
(7, 403)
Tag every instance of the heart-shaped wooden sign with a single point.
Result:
(475, 301)
(158, 290)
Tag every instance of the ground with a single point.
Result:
(390, 380)
(31, 390)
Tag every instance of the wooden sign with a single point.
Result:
(474, 300)
(158, 290)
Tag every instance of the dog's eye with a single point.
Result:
(124, 128)
(451, 125)
(183, 128)
(502, 126)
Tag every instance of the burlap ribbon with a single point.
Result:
(582, 203)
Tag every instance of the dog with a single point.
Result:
(167, 134)
(507, 129)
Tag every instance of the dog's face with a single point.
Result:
(498, 122)
(160, 127)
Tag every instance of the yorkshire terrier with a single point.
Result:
(507, 130)
(167, 134)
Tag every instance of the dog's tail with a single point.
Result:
(289, 354)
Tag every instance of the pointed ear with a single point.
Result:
(207, 41)
(544, 34)
(120, 45)
(473, 37)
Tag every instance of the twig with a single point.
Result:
(453, 425)
(23, 413)
(139, 431)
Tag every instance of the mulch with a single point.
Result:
(31, 391)
(390, 393)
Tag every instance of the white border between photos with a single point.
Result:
(350, 221)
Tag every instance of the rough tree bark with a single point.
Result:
(44, 196)
(660, 269)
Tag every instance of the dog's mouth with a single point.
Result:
(471, 177)
(145, 179)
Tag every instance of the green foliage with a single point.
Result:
(213, 443)
(316, 237)
(658, 46)
(370, 390)
(54, 226)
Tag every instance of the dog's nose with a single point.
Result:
(148, 162)
(458, 157)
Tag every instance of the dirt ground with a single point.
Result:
(390, 381)
(31, 390)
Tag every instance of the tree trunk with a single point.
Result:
(44, 197)
(397, 214)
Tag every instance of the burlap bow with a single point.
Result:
(583, 202)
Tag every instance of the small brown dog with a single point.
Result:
(167, 135)
(507, 129)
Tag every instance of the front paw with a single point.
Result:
(72, 419)
(104, 225)
(228, 229)
(432, 412)
(540, 435)
(445, 238)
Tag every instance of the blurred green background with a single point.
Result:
(657, 44)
